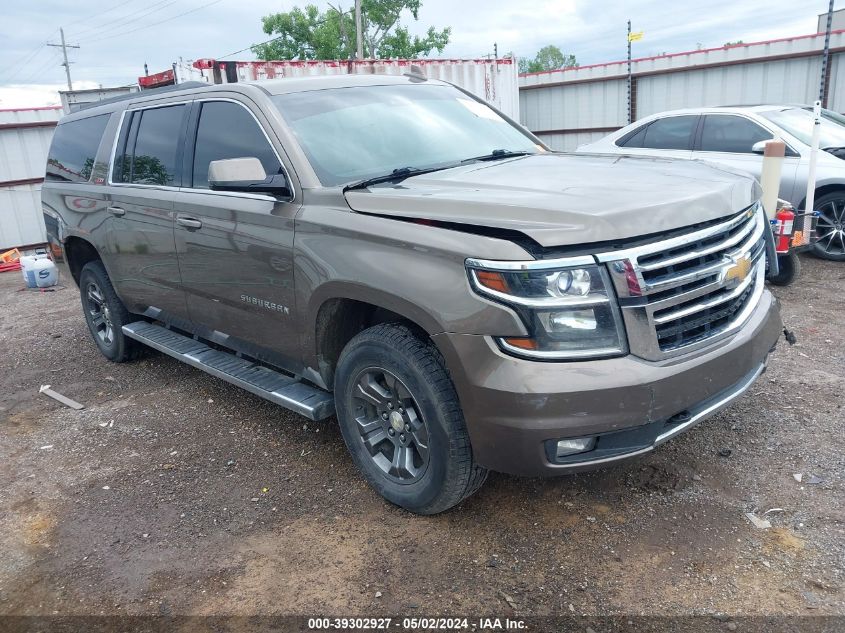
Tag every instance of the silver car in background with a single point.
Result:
(734, 136)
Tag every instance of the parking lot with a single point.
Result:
(172, 492)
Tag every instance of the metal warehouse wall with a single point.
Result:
(570, 107)
(24, 142)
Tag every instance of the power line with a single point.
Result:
(51, 63)
(272, 39)
(125, 20)
(250, 47)
(99, 14)
(174, 17)
(15, 67)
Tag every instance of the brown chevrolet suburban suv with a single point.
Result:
(394, 252)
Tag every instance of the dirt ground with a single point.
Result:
(174, 493)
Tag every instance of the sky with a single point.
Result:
(116, 39)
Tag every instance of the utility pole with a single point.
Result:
(826, 58)
(629, 72)
(66, 63)
(359, 34)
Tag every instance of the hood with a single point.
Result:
(566, 199)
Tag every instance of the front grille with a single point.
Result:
(686, 291)
(703, 323)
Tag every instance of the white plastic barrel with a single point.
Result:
(45, 272)
(27, 262)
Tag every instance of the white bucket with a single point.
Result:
(45, 272)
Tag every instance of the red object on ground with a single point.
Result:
(9, 267)
(784, 221)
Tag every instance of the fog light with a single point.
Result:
(577, 445)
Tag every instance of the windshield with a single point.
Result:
(799, 123)
(350, 134)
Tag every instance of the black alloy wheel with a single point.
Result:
(99, 314)
(390, 425)
(106, 315)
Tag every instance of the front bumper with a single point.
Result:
(513, 407)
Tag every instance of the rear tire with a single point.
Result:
(106, 315)
(401, 420)
(830, 232)
(789, 267)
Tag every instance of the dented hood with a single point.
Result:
(565, 199)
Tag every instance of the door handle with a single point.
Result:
(117, 211)
(189, 223)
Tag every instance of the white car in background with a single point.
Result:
(735, 136)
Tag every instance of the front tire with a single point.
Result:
(830, 231)
(106, 315)
(789, 267)
(401, 420)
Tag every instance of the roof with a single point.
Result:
(325, 82)
(728, 108)
(268, 86)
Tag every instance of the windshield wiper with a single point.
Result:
(497, 154)
(397, 175)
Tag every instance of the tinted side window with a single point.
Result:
(74, 148)
(670, 133)
(736, 134)
(633, 139)
(155, 157)
(228, 130)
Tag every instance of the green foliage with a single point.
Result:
(150, 170)
(737, 42)
(309, 34)
(547, 58)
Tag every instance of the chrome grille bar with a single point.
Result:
(672, 261)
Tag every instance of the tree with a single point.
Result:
(736, 43)
(548, 58)
(309, 34)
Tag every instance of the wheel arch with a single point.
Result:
(78, 252)
(823, 190)
(338, 313)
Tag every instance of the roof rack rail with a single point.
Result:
(150, 91)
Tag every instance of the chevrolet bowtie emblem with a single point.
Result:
(739, 271)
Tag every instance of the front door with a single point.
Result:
(235, 250)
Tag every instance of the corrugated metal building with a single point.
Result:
(494, 80)
(578, 105)
(24, 142)
(73, 100)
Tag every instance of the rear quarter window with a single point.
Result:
(74, 148)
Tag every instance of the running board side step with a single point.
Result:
(312, 402)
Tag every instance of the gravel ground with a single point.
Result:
(175, 493)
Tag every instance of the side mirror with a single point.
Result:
(245, 175)
(759, 147)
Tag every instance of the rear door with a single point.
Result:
(145, 175)
(235, 249)
(669, 137)
(728, 138)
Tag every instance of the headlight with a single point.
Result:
(568, 309)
